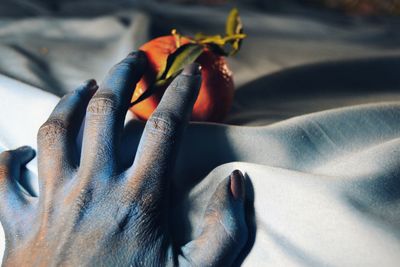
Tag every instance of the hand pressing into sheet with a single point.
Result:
(94, 211)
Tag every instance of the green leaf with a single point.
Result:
(183, 56)
(216, 39)
(188, 53)
(176, 61)
(161, 72)
(236, 46)
(152, 89)
(233, 23)
(234, 27)
(199, 36)
(230, 43)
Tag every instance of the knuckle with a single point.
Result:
(4, 171)
(53, 126)
(6, 157)
(164, 122)
(148, 200)
(102, 104)
(51, 130)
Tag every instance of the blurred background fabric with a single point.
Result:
(298, 57)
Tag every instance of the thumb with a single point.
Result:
(224, 232)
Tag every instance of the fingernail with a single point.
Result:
(132, 54)
(25, 148)
(237, 185)
(192, 69)
(140, 55)
(91, 85)
(139, 59)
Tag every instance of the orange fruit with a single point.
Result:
(217, 88)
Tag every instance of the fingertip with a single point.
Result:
(32, 153)
(138, 56)
(91, 85)
(237, 185)
(25, 149)
(27, 153)
(126, 72)
(134, 64)
(225, 228)
(86, 89)
(192, 69)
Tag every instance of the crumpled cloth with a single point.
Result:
(325, 186)
(315, 123)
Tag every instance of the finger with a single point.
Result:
(12, 197)
(57, 151)
(225, 232)
(106, 113)
(158, 145)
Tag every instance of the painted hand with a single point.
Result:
(93, 210)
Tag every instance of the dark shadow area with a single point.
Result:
(250, 221)
(316, 87)
(357, 75)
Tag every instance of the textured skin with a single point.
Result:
(216, 93)
(94, 211)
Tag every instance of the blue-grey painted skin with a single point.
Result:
(93, 210)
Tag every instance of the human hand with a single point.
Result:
(94, 210)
